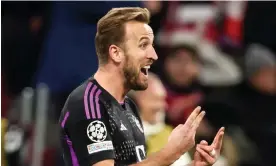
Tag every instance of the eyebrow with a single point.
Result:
(144, 37)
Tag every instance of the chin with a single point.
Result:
(139, 86)
(138, 82)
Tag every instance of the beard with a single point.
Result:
(132, 73)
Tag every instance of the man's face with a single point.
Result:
(181, 68)
(139, 55)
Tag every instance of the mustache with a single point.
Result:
(150, 62)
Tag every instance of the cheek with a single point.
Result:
(133, 59)
(131, 64)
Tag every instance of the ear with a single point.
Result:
(115, 53)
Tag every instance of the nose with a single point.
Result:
(153, 55)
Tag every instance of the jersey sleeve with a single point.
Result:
(90, 136)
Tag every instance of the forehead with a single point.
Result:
(136, 30)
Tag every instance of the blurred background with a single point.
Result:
(219, 55)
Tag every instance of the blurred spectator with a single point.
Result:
(152, 106)
(180, 70)
(187, 83)
(251, 106)
(186, 77)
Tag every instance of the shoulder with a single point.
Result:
(84, 103)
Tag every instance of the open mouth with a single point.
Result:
(145, 70)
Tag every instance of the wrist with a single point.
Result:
(170, 154)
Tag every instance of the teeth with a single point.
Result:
(146, 67)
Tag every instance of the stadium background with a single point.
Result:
(208, 52)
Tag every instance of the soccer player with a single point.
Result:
(100, 126)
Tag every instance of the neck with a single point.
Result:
(112, 81)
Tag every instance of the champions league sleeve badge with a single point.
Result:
(96, 131)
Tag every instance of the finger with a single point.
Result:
(193, 116)
(198, 120)
(206, 148)
(218, 143)
(207, 157)
(203, 142)
(216, 139)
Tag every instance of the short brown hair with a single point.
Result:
(110, 28)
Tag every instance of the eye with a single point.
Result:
(144, 45)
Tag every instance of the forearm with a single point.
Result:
(164, 157)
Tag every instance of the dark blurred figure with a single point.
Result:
(251, 106)
(23, 28)
(180, 70)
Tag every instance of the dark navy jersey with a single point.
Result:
(95, 127)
